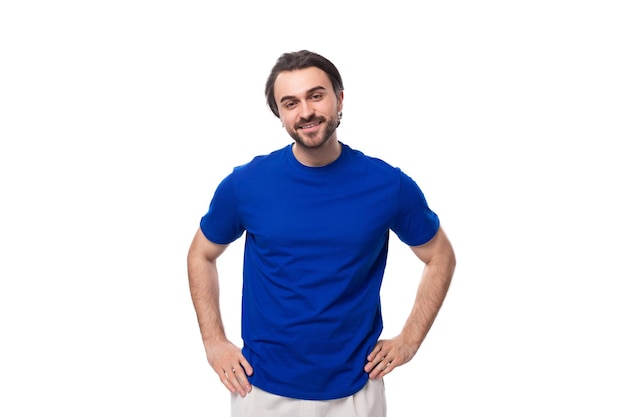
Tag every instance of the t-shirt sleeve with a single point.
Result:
(415, 223)
(222, 224)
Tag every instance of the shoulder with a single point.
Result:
(371, 163)
(261, 162)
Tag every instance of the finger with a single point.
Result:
(377, 358)
(227, 381)
(246, 366)
(384, 366)
(377, 350)
(381, 369)
(373, 364)
(377, 353)
(232, 381)
(240, 373)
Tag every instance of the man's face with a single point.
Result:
(308, 106)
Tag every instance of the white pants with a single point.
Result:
(369, 402)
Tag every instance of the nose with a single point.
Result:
(306, 110)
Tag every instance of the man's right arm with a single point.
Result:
(224, 357)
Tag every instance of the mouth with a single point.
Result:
(310, 125)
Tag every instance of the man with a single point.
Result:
(316, 216)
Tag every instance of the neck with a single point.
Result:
(317, 157)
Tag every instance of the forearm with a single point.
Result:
(434, 285)
(224, 357)
(388, 354)
(204, 288)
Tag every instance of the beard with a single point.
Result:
(320, 138)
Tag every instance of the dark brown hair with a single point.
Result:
(292, 61)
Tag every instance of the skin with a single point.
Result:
(439, 264)
(224, 357)
(309, 110)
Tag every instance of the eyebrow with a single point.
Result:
(309, 91)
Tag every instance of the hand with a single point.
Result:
(388, 355)
(231, 366)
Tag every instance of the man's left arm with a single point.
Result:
(439, 264)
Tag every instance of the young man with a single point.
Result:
(316, 216)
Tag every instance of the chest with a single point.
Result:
(324, 215)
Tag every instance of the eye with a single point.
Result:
(317, 97)
(289, 104)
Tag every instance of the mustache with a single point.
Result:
(312, 119)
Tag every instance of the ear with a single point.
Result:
(340, 101)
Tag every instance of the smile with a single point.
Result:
(310, 125)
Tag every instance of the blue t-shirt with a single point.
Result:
(315, 253)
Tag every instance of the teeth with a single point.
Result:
(310, 125)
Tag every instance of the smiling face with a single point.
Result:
(308, 106)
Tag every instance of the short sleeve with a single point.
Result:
(222, 224)
(415, 223)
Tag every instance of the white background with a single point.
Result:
(118, 119)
